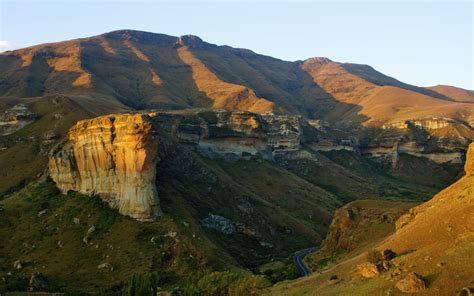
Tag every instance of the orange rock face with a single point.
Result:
(114, 157)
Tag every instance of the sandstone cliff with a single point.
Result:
(114, 157)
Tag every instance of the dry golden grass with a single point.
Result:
(455, 93)
(105, 44)
(224, 95)
(437, 243)
(136, 51)
(155, 78)
(381, 104)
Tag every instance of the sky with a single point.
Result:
(423, 43)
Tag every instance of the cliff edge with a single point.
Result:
(114, 157)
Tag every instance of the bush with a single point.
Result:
(374, 256)
(142, 285)
(208, 116)
(228, 283)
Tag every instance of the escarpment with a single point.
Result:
(113, 157)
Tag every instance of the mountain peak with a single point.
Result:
(318, 60)
(189, 40)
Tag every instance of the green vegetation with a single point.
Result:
(49, 238)
(317, 262)
(278, 271)
(25, 156)
(227, 283)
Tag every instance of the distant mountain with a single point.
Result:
(455, 93)
(139, 70)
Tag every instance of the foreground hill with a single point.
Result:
(254, 188)
(434, 240)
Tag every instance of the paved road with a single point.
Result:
(298, 258)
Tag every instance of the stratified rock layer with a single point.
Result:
(114, 157)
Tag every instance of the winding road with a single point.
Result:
(298, 258)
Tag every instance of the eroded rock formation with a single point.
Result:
(14, 119)
(114, 157)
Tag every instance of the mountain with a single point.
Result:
(455, 93)
(437, 250)
(139, 70)
(133, 153)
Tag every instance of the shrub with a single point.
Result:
(228, 283)
(142, 285)
(374, 256)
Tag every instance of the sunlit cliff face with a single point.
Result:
(114, 157)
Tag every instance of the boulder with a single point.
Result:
(466, 292)
(368, 270)
(87, 237)
(38, 283)
(411, 283)
(17, 264)
(106, 266)
(219, 223)
(42, 212)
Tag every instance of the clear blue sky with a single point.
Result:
(423, 43)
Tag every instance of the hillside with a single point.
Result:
(455, 93)
(138, 70)
(193, 158)
(241, 181)
(438, 250)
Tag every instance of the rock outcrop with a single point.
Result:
(234, 134)
(113, 157)
(368, 270)
(412, 283)
(14, 119)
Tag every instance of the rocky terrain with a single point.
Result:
(234, 160)
(14, 119)
(115, 156)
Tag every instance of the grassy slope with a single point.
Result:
(379, 98)
(458, 94)
(25, 157)
(353, 177)
(121, 241)
(244, 192)
(440, 231)
(144, 70)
